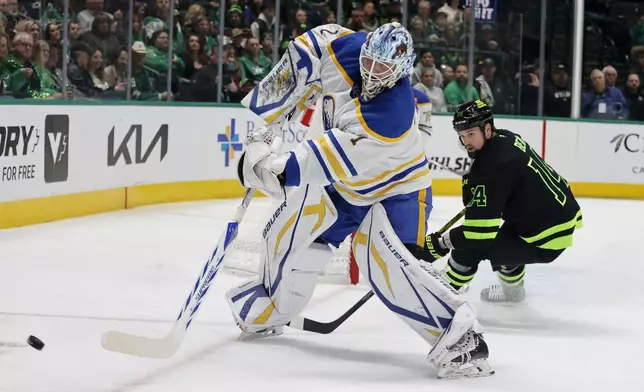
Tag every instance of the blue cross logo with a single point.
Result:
(229, 142)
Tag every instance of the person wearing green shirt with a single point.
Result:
(456, 92)
(157, 58)
(254, 65)
(48, 86)
(165, 19)
(141, 83)
(20, 76)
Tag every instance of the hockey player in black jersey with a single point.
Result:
(518, 209)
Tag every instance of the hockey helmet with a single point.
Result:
(386, 56)
(472, 114)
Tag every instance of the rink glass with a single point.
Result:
(520, 43)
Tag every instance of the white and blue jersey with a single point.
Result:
(371, 150)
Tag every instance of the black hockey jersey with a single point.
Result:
(509, 181)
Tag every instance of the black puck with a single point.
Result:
(35, 342)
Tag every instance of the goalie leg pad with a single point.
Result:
(415, 293)
(291, 262)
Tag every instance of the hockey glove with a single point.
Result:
(434, 248)
(260, 168)
(467, 194)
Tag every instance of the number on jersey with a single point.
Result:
(555, 183)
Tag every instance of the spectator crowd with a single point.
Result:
(174, 53)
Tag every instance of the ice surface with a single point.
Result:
(67, 282)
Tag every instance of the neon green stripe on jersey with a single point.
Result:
(554, 230)
(482, 222)
(558, 243)
(512, 280)
(471, 235)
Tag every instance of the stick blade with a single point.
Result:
(141, 346)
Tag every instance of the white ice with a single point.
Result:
(69, 281)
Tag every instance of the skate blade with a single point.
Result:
(247, 336)
(473, 369)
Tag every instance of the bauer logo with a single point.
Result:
(229, 142)
(392, 250)
(631, 142)
(56, 148)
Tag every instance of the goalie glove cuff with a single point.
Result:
(446, 241)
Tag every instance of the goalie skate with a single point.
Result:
(264, 333)
(466, 358)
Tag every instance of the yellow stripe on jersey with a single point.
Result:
(337, 64)
(371, 132)
(339, 186)
(330, 156)
(422, 203)
(386, 173)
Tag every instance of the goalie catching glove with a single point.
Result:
(260, 166)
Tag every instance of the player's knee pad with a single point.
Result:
(414, 292)
(290, 264)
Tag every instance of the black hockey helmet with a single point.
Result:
(472, 114)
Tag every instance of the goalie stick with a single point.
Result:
(309, 325)
(167, 346)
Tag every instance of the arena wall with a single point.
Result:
(58, 162)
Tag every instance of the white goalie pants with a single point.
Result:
(292, 262)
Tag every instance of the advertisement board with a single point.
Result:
(61, 150)
(485, 10)
(610, 154)
(49, 150)
(34, 153)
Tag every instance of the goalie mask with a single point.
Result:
(386, 56)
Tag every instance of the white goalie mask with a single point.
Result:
(386, 56)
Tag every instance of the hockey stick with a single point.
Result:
(309, 325)
(167, 346)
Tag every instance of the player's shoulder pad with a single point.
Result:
(503, 147)
(317, 38)
(421, 97)
(423, 102)
(389, 116)
(345, 53)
